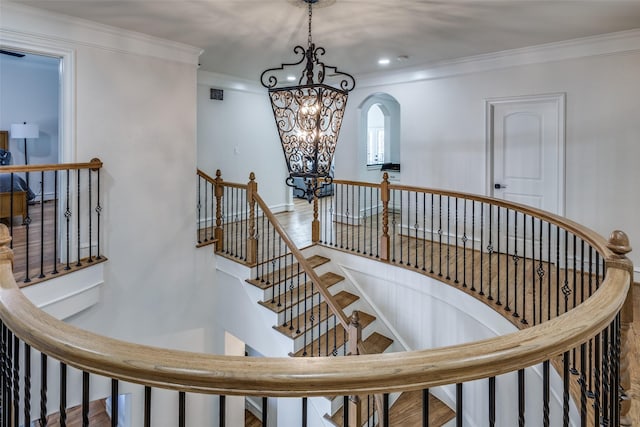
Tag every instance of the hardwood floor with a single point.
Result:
(44, 257)
(297, 224)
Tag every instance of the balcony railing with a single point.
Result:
(595, 328)
(53, 213)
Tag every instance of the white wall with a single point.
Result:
(238, 135)
(135, 109)
(443, 131)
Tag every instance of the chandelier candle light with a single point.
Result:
(309, 115)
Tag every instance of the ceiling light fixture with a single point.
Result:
(384, 61)
(309, 115)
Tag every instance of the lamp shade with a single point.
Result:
(25, 130)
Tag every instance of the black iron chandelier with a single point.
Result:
(308, 115)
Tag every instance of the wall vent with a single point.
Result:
(217, 94)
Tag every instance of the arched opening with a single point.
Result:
(379, 133)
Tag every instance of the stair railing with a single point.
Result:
(54, 216)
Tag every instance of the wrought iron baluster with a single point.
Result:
(357, 224)
(78, 263)
(455, 280)
(459, 406)
(90, 196)
(464, 243)
(566, 379)
(304, 412)
(85, 399)
(147, 408)
(524, 269)
(507, 307)
(43, 389)
(400, 234)
(98, 212)
(545, 393)
(448, 276)
(55, 223)
(424, 231)
(41, 225)
(521, 398)
(181, 409)
(490, 252)
(473, 245)
(27, 385)
(199, 208)
(114, 403)
(498, 238)
(492, 401)
(432, 245)
(425, 407)
(440, 235)
(63, 395)
(16, 380)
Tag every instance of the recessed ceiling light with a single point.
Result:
(384, 61)
(291, 78)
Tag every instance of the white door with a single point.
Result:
(526, 164)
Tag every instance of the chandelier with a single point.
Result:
(308, 115)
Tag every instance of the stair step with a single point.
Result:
(285, 273)
(326, 341)
(343, 298)
(377, 343)
(301, 293)
(407, 411)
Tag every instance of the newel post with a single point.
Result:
(252, 241)
(219, 192)
(384, 196)
(6, 253)
(619, 245)
(355, 337)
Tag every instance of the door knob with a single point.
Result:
(499, 186)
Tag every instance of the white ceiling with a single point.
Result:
(243, 37)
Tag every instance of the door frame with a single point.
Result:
(560, 100)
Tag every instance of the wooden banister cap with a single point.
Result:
(619, 243)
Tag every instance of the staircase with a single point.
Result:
(303, 317)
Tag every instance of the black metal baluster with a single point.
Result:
(473, 245)
(533, 269)
(41, 225)
(345, 410)
(565, 392)
(481, 249)
(515, 265)
(440, 235)
(357, 224)
(557, 271)
(55, 223)
(492, 401)
(378, 220)
(459, 406)
(464, 243)
(265, 411)
(540, 273)
(596, 389)
(16, 380)
(432, 245)
(545, 393)
(583, 386)
(147, 407)
(549, 272)
(455, 280)
(605, 376)
(304, 412)
(498, 238)
(78, 263)
(425, 407)
(417, 228)
(27, 384)
(114, 403)
(393, 225)
(448, 276)
(490, 252)
(424, 232)
(566, 290)
(222, 412)
(342, 220)
(521, 398)
(90, 196)
(43, 389)
(181, 408)
(11, 210)
(524, 269)
(506, 263)
(199, 207)
(400, 228)
(67, 215)
(385, 409)
(85, 399)
(63, 395)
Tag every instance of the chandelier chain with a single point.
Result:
(310, 15)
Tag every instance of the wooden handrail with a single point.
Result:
(590, 236)
(317, 376)
(93, 164)
(211, 180)
(329, 299)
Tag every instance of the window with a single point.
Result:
(375, 136)
(379, 131)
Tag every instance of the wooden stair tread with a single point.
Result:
(326, 341)
(285, 273)
(407, 411)
(377, 343)
(301, 293)
(343, 299)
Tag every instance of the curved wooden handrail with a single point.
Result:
(331, 302)
(317, 376)
(596, 240)
(93, 164)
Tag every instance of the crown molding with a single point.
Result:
(606, 44)
(37, 25)
(224, 81)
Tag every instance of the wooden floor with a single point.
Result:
(297, 224)
(98, 416)
(44, 259)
